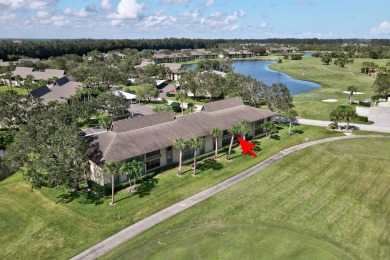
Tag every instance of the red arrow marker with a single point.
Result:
(246, 146)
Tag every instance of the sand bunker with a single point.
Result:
(355, 93)
(330, 100)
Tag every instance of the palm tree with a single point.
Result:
(191, 106)
(273, 129)
(195, 143)
(335, 115)
(215, 132)
(105, 121)
(245, 128)
(267, 126)
(18, 78)
(181, 96)
(113, 168)
(351, 90)
(180, 144)
(233, 130)
(134, 170)
(348, 113)
(290, 114)
(8, 76)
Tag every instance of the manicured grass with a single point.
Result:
(19, 90)
(52, 223)
(330, 201)
(33, 227)
(334, 81)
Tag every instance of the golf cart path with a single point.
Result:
(137, 228)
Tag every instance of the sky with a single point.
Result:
(209, 19)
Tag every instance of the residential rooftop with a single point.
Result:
(141, 135)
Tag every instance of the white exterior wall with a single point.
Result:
(97, 174)
(175, 155)
(208, 143)
(163, 158)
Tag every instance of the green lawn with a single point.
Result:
(330, 201)
(19, 90)
(52, 223)
(334, 81)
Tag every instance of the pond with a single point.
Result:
(260, 71)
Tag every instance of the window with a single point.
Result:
(153, 155)
(187, 154)
(169, 154)
(153, 164)
(139, 158)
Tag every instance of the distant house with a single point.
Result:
(38, 75)
(61, 90)
(6, 63)
(171, 58)
(175, 71)
(149, 139)
(231, 53)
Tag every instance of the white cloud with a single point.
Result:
(189, 16)
(174, 2)
(4, 17)
(234, 27)
(42, 15)
(382, 28)
(156, 21)
(209, 3)
(81, 13)
(56, 21)
(126, 10)
(25, 4)
(106, 5)
(263, 25)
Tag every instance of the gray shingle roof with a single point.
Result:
(139, 141)
(57, 92)
(222, 104)
(38, 75)
(142, 121)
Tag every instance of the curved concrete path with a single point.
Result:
(135, 229)
(373, 128)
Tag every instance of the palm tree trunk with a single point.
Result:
(216, 147)
(182, 108)
(180, 163)
(112, 190)
(230, 147)
(289, 128)
(194, 163)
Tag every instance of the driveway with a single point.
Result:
(166, 89)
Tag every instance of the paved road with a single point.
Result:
(374, 128)
(137, 228)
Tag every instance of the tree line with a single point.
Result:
(43, 49)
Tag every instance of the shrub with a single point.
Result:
(168, 94)
(363, 118)
(296, 56)
(364, 104)
(176, 106)
(332, 126)
(6, 138)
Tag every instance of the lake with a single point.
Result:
(260, 71)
